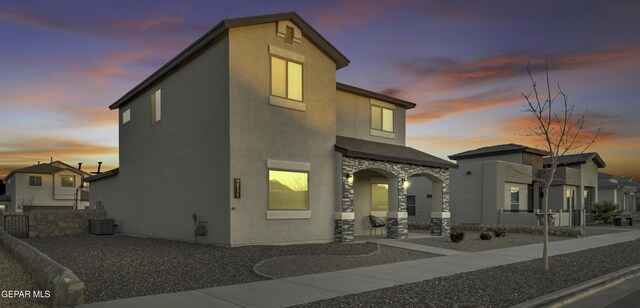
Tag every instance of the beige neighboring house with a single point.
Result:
(621, 190)
(500, 185)
(54, 185)
(248, 129)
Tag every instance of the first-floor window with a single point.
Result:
(411, 205)
(379, 197)
(288, 190)
(67, 181)
(516, 197)
(35, 180)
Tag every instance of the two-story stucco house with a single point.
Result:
(501, 185)
(54, 185)
(248, 129)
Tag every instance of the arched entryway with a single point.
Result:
(396, 175)
(375, 193)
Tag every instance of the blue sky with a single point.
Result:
(463, 62)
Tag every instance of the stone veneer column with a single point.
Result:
(345, 220)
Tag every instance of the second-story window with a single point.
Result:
(156, 104)
(382, 118)
(126, 116)
(286, 78)
(35, 180)
(67, 181)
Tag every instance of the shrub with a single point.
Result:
(499, 231)
(456, 235)
(485, 235)
(605, 211)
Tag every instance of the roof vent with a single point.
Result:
(288, 36)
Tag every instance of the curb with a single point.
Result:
(66, 288)
(582, 290)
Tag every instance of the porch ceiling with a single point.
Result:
(359, 148)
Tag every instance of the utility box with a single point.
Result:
(101, 226)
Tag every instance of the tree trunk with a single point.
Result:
(545, 245)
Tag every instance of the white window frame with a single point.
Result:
(156, 106)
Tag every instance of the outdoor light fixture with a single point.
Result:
(350, 178)
(405, 183)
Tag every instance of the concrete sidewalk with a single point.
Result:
(309, 288)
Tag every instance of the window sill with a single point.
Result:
(284, 214)
(287, 103)
(383, 134)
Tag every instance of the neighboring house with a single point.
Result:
(501, 185)
(248, 129)
(621, 190)
(54, 185)
(575, 185)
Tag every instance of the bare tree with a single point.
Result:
(562, 132)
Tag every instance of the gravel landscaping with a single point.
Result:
(14, 277)
(281, 267)
(119, 266)
(501, 286)
(472, 241)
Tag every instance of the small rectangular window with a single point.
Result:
(411, 205)
(286, 79)
(67, 181)
(156, 106)
(35, 180)
(288, 190)
(126, 116)
(515, 197)
(382, 118)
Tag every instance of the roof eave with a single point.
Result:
(359, 91)
(315, 37)
(359, 154)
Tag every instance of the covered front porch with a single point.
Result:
(374, 181)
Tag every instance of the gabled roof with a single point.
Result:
(577, 159)
(359, 148)
(46, 168)
(497, 150)
(72, 168)
(309, 32)
(382, 97)
(102, 175)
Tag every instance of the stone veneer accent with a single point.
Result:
(345, 230)
(61, 222)
(396, 228)
(67, 290)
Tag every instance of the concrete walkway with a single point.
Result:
(309, 288)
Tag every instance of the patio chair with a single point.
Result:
(376, 223)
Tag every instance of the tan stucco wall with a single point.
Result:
(260, 131)
(354, 119)
(179, 165)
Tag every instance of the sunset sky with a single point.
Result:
(462, 62)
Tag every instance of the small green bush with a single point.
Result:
(485, 236)
(605, 212)
(456, 235)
